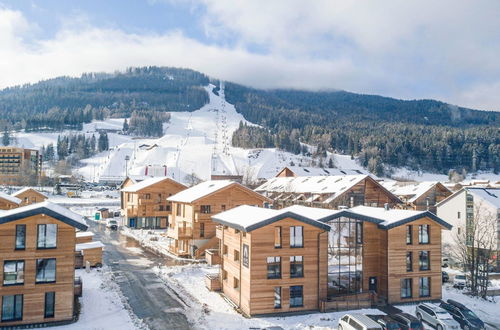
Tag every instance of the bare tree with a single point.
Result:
(476, 245)
(192, 179)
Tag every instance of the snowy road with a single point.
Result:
(148, 296)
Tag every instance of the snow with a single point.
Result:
(25, 189)
(200, 190)
(406, 174)
(88, 245)
(317, 171)
(489, 195)
(336, 184)
(144, 184)
(410, 190)
(84, 234)
(9, 198)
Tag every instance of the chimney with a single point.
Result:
(386, 206)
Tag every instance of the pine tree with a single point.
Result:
(125, 126)
(6, 138)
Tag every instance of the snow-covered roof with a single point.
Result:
(411, 190)
(25, 189)
(53, 210)
(9, 198)
(84, 234)
(88, 245)
(248, 218)
(489, 195)
(336, 184)
(317, 171)
(203, 189)
(146, 183)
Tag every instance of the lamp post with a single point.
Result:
(127, 158)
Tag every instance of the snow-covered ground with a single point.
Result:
(412, 175)
(101, 304)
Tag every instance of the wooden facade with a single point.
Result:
(30, 196)
(431, 198)
(191, 229)
(16, 163)
(34, 294)
(148, 207)
(7, 203)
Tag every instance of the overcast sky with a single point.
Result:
(446, 49)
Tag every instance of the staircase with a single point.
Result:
(208, 245)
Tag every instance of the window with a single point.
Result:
(296, 237)
(224, 274)
(20, 237)
(50, 302)
(45, 270)
(47, 236)
(296, 266)
(202, 229)
(406, 284)
(205, 209)
(13, 272)
(277, 297)
(424, 287)
(236, 283)
(223, 207)
(409, 231)
(178, 210)
(423, 260)
(359, 232)
(458, 215)
(12, 308)
(273, 267)
(147, 196)
(423, 234)
(236, 255)
(277, 237)
(296, 296)
(224, 249)
(409, 261)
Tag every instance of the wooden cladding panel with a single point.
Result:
(374, 256)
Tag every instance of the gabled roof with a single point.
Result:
(148, 182)
(10, 198)
(312, 184)
(386, 219)
(134, 179)
(52, 210)
(489, 195)
(317, 171)
(19, 192)
(248, 218)
(411, 190)
(206, 188)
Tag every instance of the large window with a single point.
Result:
(277, 297)
(202, 229)
(50, 303)
(45, 270)
(423, 234)
(277, 237)
(47, 236)
(424, 287)
(406, 284)
(13, 272)
(296, 237)
(273, 267)
(409, 261)
(409, 234)
(296, 266)
(20, 237)
(12, 308)
(296, 296)
(423, 260)
(205, 209)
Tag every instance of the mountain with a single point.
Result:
(419, 134)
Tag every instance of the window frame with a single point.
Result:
(409, 234)
(274, 262)
(45, 247)
(409, 261)
(421, 262)
(292, 298)
(421, 234)
(420, 287)
(296, 264)
(407, 288)
(23, 237)
(278, 237)
(37, 270)
(14, 309)
(50, 315)
(17, 262)
(294, 236)
(202, 229)
(205, 209)
(277, 297)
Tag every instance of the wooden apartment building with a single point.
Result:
(37, 254)
(191, 230)
(29, 196)
(419, 196)
(301, 258)
(327, 191)
(17, 164)
(8, 202)
(145, 203)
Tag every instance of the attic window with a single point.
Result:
(211, 185)
(352, 179)
(306, 170)
(321, 180)
(305, 180)
(324, 188)
(343, 172)
(338, 180)
(342, 188)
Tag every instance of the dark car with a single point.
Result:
(446, 277)
(386, 322)
(407, 321)
(463, 315)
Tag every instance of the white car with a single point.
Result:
(112, 224)
(460, 281)
(357, 322)
(436, 316)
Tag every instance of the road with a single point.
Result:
(148, 296)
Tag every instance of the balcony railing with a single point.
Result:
(180, 232)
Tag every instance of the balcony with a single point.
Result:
(177, 251)
(180, 232)
(213, 257)
(212, 282)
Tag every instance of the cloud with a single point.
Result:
(405, 49)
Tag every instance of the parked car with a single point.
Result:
(357, 322)
(436, 316)
(446, 277)
(468, 319)
(460, 281)
(445, 262)
(408, 321)
(112, 224)
(387, 322)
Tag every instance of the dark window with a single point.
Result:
(423, 234)
(50, 302)
(13, 272)
(179, 210)
(296, 296)
(277, 237)
(147, 196)
(425, 287)
(409, 261)
(277, 297)
(236, 283)
(273, 267)
(423, 260)
(47, 236)
(202, 229)
(224, 249)
(236, 255)
(45, 270)
(20, 237)
(296, 237)
(12, 308)
(409, 236)
(406, 284)
(296, 266)
(359, 232)
(223, 207)
(205, 209)
(458, 215)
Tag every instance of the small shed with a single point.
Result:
(84, 237)
(91, 252)
(102, 213)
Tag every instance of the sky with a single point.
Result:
(413, 49)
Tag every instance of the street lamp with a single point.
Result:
(127, 158)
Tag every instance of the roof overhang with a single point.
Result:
(42, 210)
